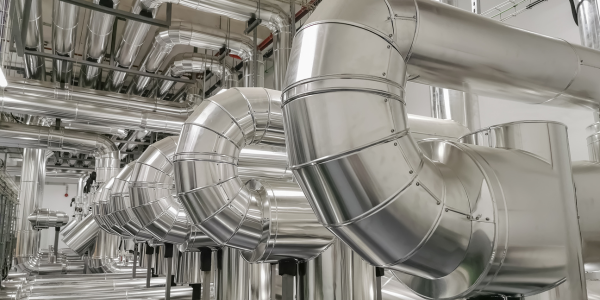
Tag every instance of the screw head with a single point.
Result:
(418, 184)
(396, 144)
(388, 46)
(390, 35)
(477, 218)
(410, 172)
(383, 73)
(392, 130)
(487, 219)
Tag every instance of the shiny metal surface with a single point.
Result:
(64, 31)
(183, 33)
(92, 107)
(83, 235)
(30, 199)
(194, 63)
(422, 128)
(260, 281)
(43, 218)
(234, 276)
(246, 216)
(152, 194)
(34, 65)
(338, 273)
(108, 205)
(354, 157)
(275, 18)
(131, 42)
(264, 162)
(99, 30)
(393, 289)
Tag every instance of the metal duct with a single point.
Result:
(338, 273)
(196, 63)
(103, 204)
(93, 109)
(82, 236)
(151, 190)
(183, 33)
(103, 259)
(276, 19)
(35, 67)
(65, 19)
(243, 215)
(24, 136)
(131, 42)
(99, 30)
(30, 198)
(43, 218)
(354, 156)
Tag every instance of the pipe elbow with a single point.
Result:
(151, 191)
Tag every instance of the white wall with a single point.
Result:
(54, 199)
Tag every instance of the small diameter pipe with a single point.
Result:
(135, 258)
(169, 257)
(288, 268)
(379, 272)
(205, 266)
(56, 234)
(149, 252)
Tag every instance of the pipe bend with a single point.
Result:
(152, 195)
(235, 212)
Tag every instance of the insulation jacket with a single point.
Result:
(267, 220)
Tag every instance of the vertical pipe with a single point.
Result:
(56, 234)
(65, 18)
(135, 258)
(149, 252)
(169, 257)
(287, 287)
(206, 267)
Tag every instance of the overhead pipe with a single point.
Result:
(35, 66)
(99, 31)
(276, 19)
(238, 213)
(196, 63)
(65, 19)
(131, 42)
(354, 156)
(183, 33)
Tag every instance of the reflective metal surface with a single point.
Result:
(152, 194)
(83, 235)
(246, 216)
(183, 33)
(64, 31)
(34, 65)
(43, 218)
(338, 273)
(585, 177)
(107, 204)
(354, 157)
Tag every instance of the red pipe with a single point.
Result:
(299, 15)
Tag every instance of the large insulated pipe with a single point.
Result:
(99, 30)
(64, 31)
(93, 109)
(196, 63)
(35, 66)
(245, 215)
(131, 42)
(354, 156)
(103, 204)
(183, 33)
(151, 188)
(82, 235)
(276, 19)
(30, 199)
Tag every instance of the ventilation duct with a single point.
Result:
(244, 215)
(356, 160)
(131, 42)
(273, 17)
(196, 63)
(104, 204)
(65, 20)
(35, 67)
(99, 30)
(44, 218)
(188, 34)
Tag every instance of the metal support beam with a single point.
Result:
(121, 13)
(89, 63)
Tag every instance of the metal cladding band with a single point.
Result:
(83, 235)
(99, 30)
(277, 20)
(183, 33)
(35, 67)
(354, 156)
(66, 19)
(196, 63)
(103, 207)
(26, 136)
(92, 108)
(44, 218)
(151, 189)
(247, 216)
(131, 42)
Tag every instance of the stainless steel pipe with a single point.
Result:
(64, 31)
(356, 160)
